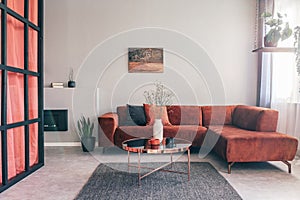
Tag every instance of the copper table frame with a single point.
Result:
(180, 145)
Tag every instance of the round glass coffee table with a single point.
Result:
(142, 145)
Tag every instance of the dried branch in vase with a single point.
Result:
(160, 96)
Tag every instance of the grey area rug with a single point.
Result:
(112, 181)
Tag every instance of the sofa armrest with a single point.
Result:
(267, 120)
(108, 124)
(255, 118)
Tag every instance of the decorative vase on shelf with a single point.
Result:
(271, 43)
(158, 130)
(71, 84)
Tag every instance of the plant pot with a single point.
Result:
(71, 84)
(88, 144)
(269, 43)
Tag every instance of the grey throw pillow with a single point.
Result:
(137, 114)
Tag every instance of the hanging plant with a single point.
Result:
(297, 46)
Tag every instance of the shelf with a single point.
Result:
(275, 49)
(58, 88)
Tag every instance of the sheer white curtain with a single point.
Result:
(285, 81)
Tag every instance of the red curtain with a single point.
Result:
(15, 90)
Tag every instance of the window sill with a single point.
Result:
(274, 49)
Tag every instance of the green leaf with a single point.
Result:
(266, 14)
(273, 36)
(79, 129)
(286, 32)
(271, 22)
(88, 122)
(276, 36)
(279, 15)
(91, 129)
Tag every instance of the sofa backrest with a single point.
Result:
(246, 117)
(184, 115)
(217, 115)
(255, 118)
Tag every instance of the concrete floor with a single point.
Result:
(68, 168)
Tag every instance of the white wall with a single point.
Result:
(207, 56)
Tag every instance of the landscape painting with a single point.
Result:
(145, 60)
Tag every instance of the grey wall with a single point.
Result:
(207, 53)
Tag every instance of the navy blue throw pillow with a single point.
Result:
(137, 114)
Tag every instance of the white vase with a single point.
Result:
(158, 130)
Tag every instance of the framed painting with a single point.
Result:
(145, 60)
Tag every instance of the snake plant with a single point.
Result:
(85, 127)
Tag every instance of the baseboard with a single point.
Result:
(62, 144)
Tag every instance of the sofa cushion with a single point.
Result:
(156, 112)
(217, 115)
(131, 115)
(123, 114)
(192, 133)
(184, 115)
(255, 118)
(137, 114)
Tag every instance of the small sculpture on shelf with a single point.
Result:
(71, 82)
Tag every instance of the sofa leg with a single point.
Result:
(229, 167)
(289, 165)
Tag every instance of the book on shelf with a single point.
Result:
(57, 84)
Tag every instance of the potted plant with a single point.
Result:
(278, 29)
(85, 128)
(71, 82)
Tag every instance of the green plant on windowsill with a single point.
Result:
(278, 29)
(281, 30)
(85, 128)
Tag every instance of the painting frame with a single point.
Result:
(145, 60)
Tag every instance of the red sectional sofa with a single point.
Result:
(237, 133)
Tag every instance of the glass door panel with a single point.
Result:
(32, 50)
(33, 144)
(15, 42)
(33, 97)
(17, 6)
(33, 11)
(15, 97)
(15, 151)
